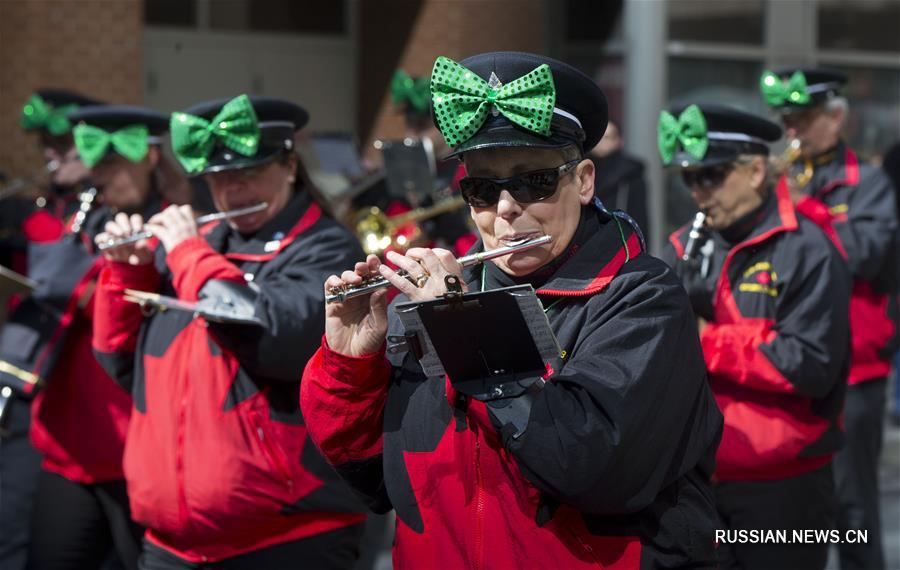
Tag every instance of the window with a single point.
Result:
(861, 25)
(328, 18)
(177, 13)
(278, 16)
(593, 21)
(734, 21)
(735, 83)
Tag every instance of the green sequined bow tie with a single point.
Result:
(93, 143)
(414, 92)
(777, 92)
(235, 126)
(689, 129)
(462, 100)
(38, 114)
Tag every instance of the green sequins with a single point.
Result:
(193, 138)
(93, 143)
(462, 100)
(689, 129)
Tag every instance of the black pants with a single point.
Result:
(335, 550)
(856, 474)
(75, 526)
(19, 468)
(806, 501)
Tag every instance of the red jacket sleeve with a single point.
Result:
(117, 321)
(342, 399)
(193, 262)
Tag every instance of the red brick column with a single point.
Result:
(91, 46)
(454, 28)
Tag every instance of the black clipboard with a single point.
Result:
(483, 339)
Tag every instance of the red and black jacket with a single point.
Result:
(217, 457)
(80, 415)
(80, 419)
(777, 343)
(854, 203)
(613, 465)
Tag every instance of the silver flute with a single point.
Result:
(341, 294)
(694, 235)
(111, 243)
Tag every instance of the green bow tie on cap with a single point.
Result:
(689, 129)
(462, 100)
(414, 92)
(93, 143)
(235, 126)
(777, 92)
(38, 114)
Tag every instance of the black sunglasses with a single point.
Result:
(525, 188)
(707, 178)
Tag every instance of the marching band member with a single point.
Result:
(855, 203)
(25, 221)
(771, 295)
(217, 460)
(78, 421)
(608, 461)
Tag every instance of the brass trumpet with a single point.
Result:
(376, 231)
(786, 160)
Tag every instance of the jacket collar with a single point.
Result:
(779, 217)
(841, 170)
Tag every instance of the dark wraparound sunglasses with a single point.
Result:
(707, 178)
(525, 188)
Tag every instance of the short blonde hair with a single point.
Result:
(772, 174)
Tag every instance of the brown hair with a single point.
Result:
(169, 182)
(303, 182)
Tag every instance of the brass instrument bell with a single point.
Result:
(377, 231)
(788, 158)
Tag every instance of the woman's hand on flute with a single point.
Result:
(173, 225)
(122, 226)
(426, 269)
(357, 326)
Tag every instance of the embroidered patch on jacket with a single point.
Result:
(760, 278)
(838, 209)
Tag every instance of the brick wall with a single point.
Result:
(91, 46)
(454, 28)
(94, 46)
